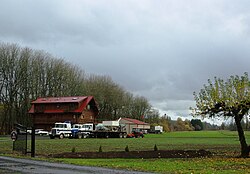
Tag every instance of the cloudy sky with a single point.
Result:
(163, 50)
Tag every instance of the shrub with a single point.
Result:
(155, 148)
(126, 149)
(100, 149)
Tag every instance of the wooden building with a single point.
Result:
(46, 111)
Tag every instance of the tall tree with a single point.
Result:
(9, 55)
(181, 125)
(165, 122)
(197, 124)
(27, 74)
(153, 116)
(230, 98)
(140, 107)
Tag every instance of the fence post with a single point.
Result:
(33, 144)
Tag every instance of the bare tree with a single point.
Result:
(27, 74)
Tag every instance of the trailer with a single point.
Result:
(109, 131)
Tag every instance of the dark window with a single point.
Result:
(39, 108)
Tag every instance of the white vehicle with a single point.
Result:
(41, 132)
(82, 130)
(84, 127)
(88, 127)
(61, 130)
(156, 129)
(29, 131)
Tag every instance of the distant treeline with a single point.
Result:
(195, 124)
(170, 125)
(230, 125)
(26, 74)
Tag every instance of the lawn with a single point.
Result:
(214, 141)
(224, 144)
(197, 165)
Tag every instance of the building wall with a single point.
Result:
(87, 116)
(143, 126)
(130, 126)
(47, 121)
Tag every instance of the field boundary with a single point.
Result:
(137, 154)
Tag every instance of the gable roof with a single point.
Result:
(84, 100)
(60, 99)
(134, 121)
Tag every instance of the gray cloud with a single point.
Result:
(163, 50)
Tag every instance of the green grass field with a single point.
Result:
(224, 144)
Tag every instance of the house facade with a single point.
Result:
(133, 123)
(46, 111)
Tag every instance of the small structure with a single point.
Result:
(46, 111)
(133, 123)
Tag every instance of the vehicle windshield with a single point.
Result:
(136, 129)
(76, 126)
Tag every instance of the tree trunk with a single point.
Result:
(244, 147)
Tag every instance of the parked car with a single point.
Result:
(41, 132)
(29, 131)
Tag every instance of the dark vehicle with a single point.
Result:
(136, 133)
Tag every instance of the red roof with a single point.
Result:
(60, 99)
(134, 121)
(50, 100)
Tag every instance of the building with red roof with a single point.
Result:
(46, 111)
(133, 123)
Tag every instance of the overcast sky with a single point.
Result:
(163, 50)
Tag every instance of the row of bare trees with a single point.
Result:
(27, 74)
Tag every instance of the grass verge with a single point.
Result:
(197, 165)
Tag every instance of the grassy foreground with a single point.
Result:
(224, 144)
(203, 165)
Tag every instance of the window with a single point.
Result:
(39, 108)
